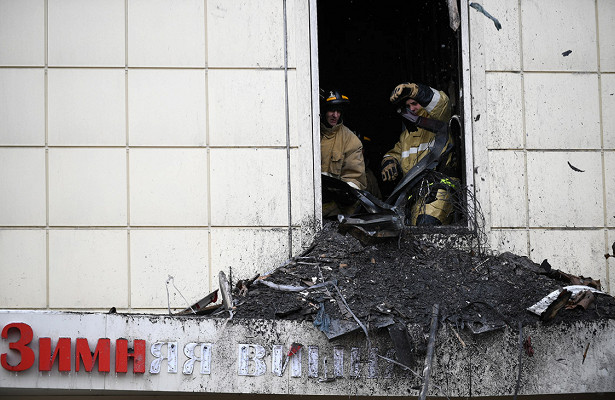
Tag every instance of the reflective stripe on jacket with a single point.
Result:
(342, 156)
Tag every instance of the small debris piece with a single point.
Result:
(373, 260)
(401, 342)
(113, 310)
(481, 10)
(567, 53)
(556, 305)
(541, 307)
(582, 299)
(585, 353)
(430, 350)
(198, 307)
(342, 265)
(294, 348)
(527, 346)
(477, 117)
(322, 319)
(453, 15)
(575, 168)
(227, 298)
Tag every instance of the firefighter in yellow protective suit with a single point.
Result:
(340, 150)
(430, 200)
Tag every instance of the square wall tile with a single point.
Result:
(504, 110)
(578, 252)
(22, 32)
(553, 120)
(88, 268)
(87, 187)
(23, 266)
(246, 108)
(244, 33)
(22, 106)
(87, 107)
(502, 47)
(166, 33)
(562, 197)
(253, 191)
(507, 188)
(609, 173)
(514, 241)
(552, 27)
(247, 251)
(156, 254)
(606, 30)
(87, 33)
(22, 187)
(168, 187)
(608, 108)
(167, 107)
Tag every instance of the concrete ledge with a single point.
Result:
(245, 356)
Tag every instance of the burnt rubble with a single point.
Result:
(343, 286)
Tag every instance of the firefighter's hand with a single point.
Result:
(403, 91)
(390, 169)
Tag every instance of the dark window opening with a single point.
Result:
(366, 48)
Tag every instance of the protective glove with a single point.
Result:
(390, 169)
(417, 91)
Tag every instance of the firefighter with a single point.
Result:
(429, 202)
(340, 150)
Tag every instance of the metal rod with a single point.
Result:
(430, 347)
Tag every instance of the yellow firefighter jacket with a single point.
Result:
(342, 156)
(412, 146)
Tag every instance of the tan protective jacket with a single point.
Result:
(412, 146)
(342, 156)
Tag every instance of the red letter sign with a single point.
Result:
(26, 353)
(102, 352)
(138, 355)
(45, 360)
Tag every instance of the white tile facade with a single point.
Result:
(87, 107)
(147, 138)
(22, 32)
(166, 33)
(168, 187)
(88, 268)
(130, 130)
(86, 33)
(22, 106)
(167, 107)
(551, 28)
(24, 282)
(244, 33)
(87, 187)
(549, 110)
(156, 254)
(22, 187)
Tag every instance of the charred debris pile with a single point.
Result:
(342, 286)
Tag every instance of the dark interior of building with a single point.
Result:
(366, 48)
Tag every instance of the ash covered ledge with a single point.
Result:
(193, 354)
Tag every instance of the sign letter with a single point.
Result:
(62, 351)
(122, 355)
(26, 353)
(204, 359)
(255, 354)
(171, 357)
(102, 352)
